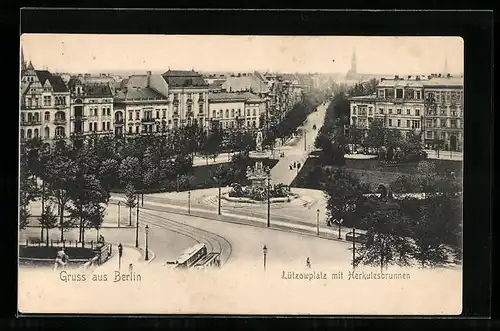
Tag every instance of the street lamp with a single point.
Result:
(305, 139)
(189, 202)
(268, 199)
(264, 250)
(218, 185)
(339, 222)
(147, 251)
(137, 224)
(119, 204)
(317, 221)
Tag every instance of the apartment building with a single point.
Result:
(236, 111)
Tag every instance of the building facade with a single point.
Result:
(432, 106)
(236, 111)
(92, 110)
(45, 105)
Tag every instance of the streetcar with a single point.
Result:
(210, 260)
(191, 255)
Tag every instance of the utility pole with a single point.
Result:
(137, 224)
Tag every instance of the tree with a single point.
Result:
(355, 135)
(130, 200)
(130, 171)
(108, 174)
(387, 238)
(48, 220)
(344, 191)
(375, 134)
(86, 195)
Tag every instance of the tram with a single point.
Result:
(191, 255)
(208, 261)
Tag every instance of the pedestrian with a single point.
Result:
(61, 259)
(291, 167)
(298, 165)
(294, 164)
(308, 263)
(130, 267)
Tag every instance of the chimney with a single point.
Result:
(449, 76)
(429, 77)
(409, 76)
(382, 79)
(148, 78)
(439, 76)
(417, 77)
(396, 77)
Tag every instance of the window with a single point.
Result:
(453, 123)
(35, 133)
(137, 129)
(108, 111)
(407, 123)
(254, 113)
(137, 114)
(399, 123)
(46, 116)
(417, 112)
(248, 112)
(399, 111)
(157, 114)
(408, 111)
(108, 126)
(390, 122)
(130, 129)
(22, 133)
(416, 124)
(104, 112)
(399, 93)
(60, 131)
(46, 100)
(157, 128)
(239, 111)
(227, 113)
(189, 109)
(164, 115)
(390, 110)
(200, 109)
(232, 112)
(428, 123)
(213, 113)
(103, 128)
(453, 112)
(381, 110)
(429, 134)
(417, 95)
(443, 135)
(23, 117)
(130, 114)
(354, 110)
(443, 123)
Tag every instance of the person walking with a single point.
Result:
(308, 263)
(61, 259)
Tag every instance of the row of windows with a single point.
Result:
(106, 111)
(414, 124)
(442, 123)
(220, 112)
(400, 93)
(435, 134)
(189, 95)
(399, 111)
(60, 132)
(106, 126)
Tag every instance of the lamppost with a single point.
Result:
(268, 199)
(305, 139)
(339, 222)
(189, 202)
(218, 185)
(264, 250)
(353, 247)
(146, 228)
(119, 204)
(137, 224)
(317, 221)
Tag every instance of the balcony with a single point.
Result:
(148, 120)
(32, 122)
(59, 121)
(60, 137)
(118, 121)
(78, 118)
(61, 106)
(77, 134)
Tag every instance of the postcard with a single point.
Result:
(240, 174)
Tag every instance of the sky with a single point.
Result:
(324, 54)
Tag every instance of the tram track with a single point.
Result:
(213, 241)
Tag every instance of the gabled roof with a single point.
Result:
(98, 91)
(400, 83)
(139, 93)
(56, 82)
(246, 83)
(182, 78)
(234, 96)
(445, 82)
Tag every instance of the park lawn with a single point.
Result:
(374, 173)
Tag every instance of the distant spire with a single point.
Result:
(446, 65)
(353, 61)
(30, 66)
(23, 62)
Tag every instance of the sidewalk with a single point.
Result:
(290, 226)
(131, 255)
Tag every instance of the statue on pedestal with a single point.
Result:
(258, 141)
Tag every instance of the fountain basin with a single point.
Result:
(289, 198)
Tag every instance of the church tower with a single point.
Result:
(353, 62)
(23, 62)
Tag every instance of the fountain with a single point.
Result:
(259, 191)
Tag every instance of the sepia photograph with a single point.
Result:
(240, 174)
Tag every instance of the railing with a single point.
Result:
(60, 137)
(32, 122)
(59, 121)
(78, 118)
(61, 106)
